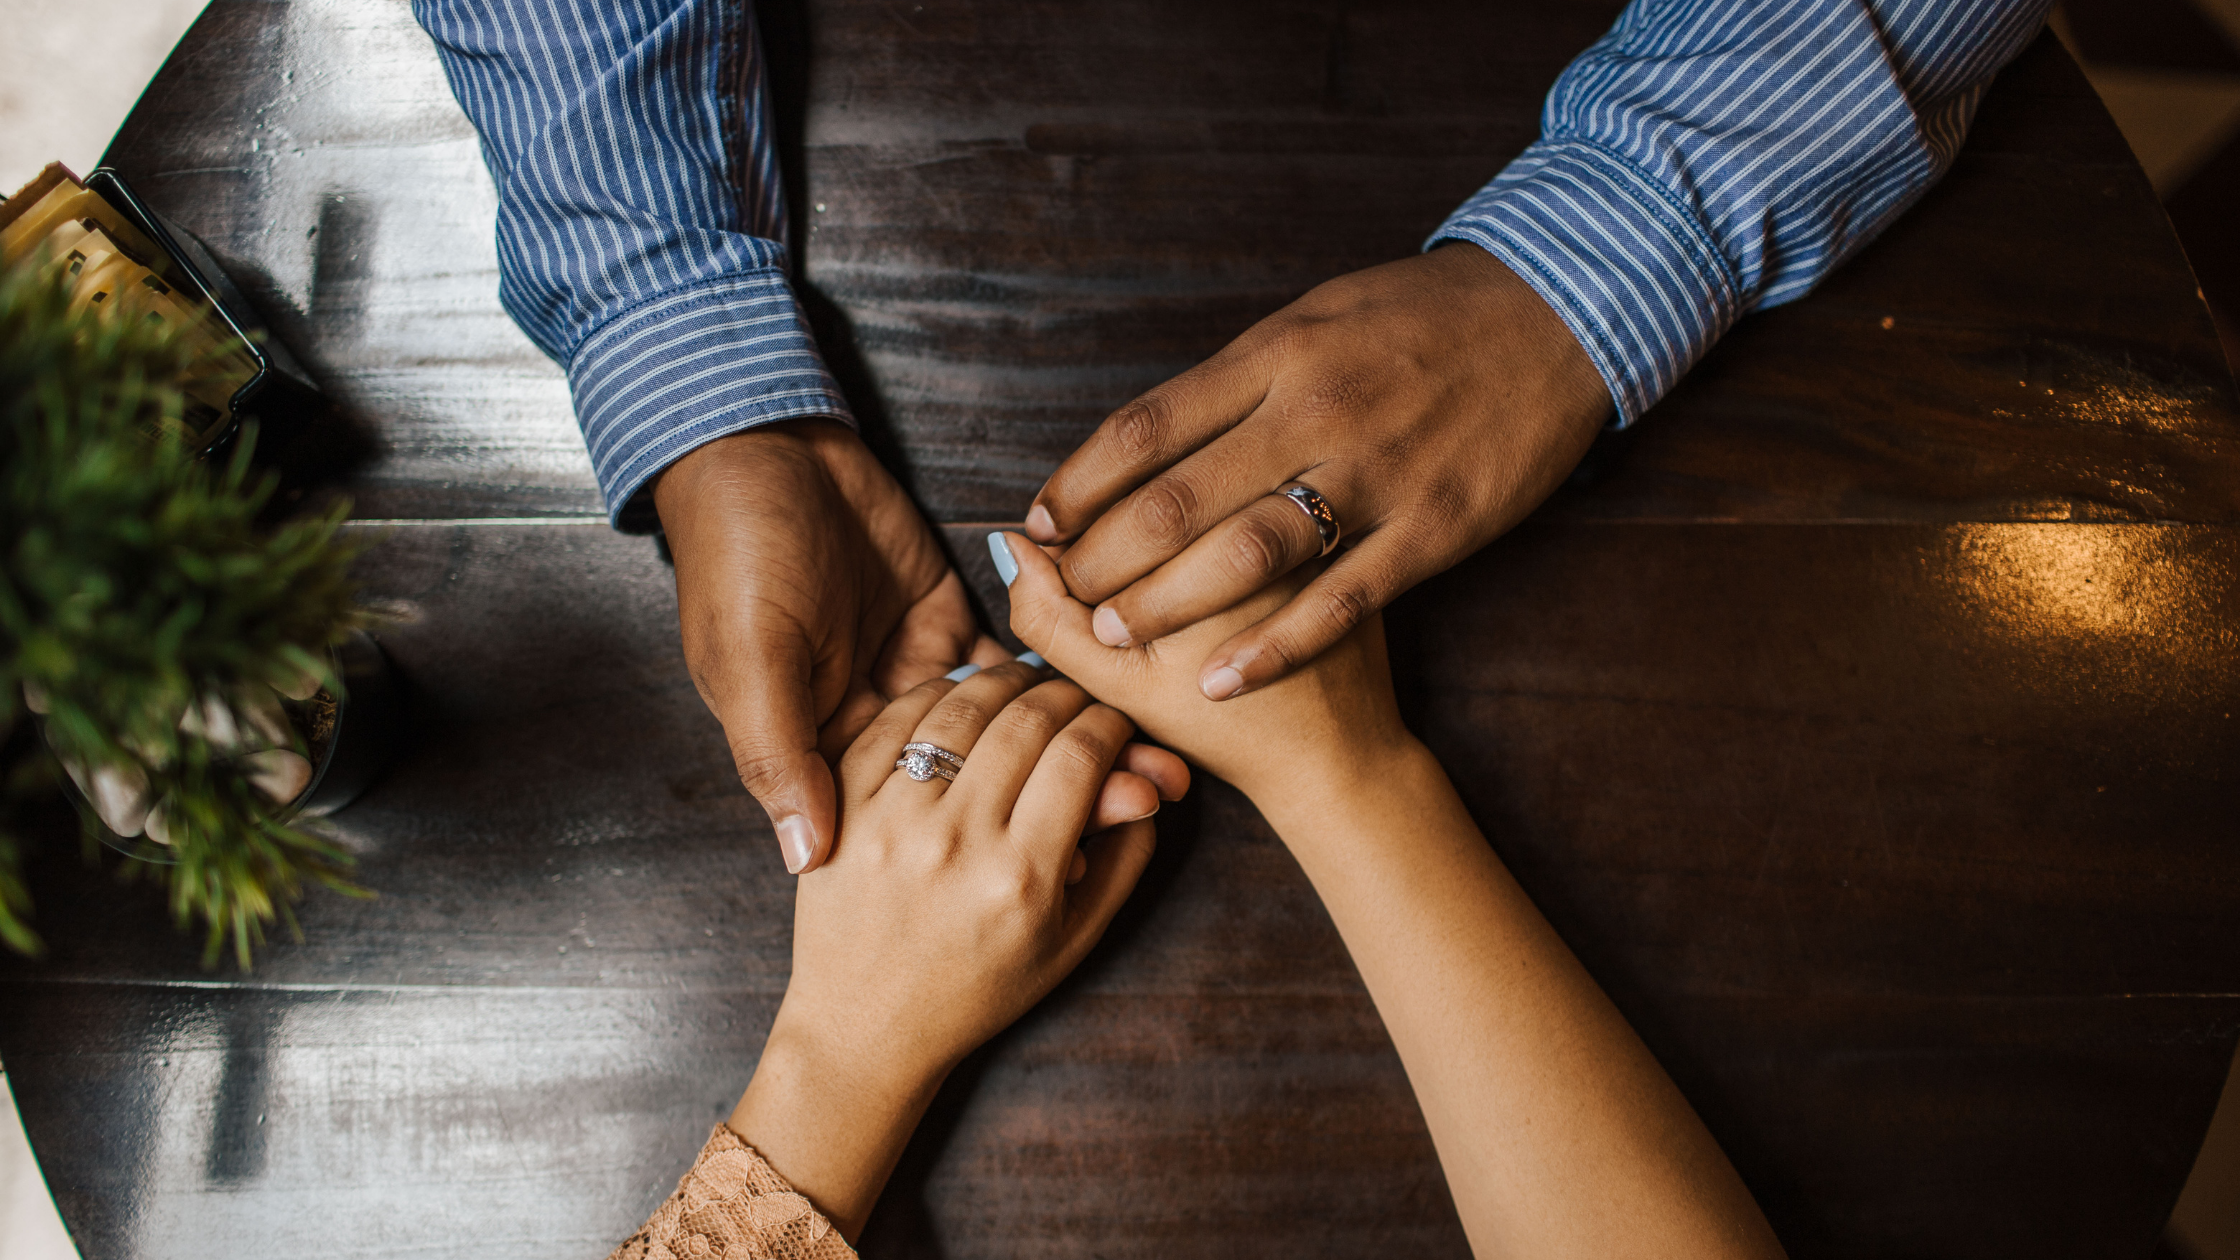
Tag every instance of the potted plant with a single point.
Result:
(178, 655)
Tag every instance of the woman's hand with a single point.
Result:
(1433, 402)
(1557, 1131)
(1329, 723)
(945, 911)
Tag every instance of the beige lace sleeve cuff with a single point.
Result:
(731, 1204)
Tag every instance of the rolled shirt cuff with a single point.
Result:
(683, 369)
(1622, 260)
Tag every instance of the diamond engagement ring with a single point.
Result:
(924, 762)
(1317, 509)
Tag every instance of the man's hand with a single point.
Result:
(809, 591)
(1432, 401)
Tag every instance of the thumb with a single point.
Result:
(1045, 615)
(770, 721)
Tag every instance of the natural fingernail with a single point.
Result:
(1110, 630)
(1039, 525)
(1079, 868)
(1033, 660)
(1222, 683)
(1007, 568)
(797, 840)
(961, 672)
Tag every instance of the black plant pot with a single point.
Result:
(368, 728)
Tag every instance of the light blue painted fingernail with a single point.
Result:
(1007, 568)
(1032, 659)
(961, 672)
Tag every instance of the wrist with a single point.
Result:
(881, 1069)
(725, 458)
(830, 1120)
(1314, 796)
(1558, 370)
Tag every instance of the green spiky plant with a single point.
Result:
(135, 578)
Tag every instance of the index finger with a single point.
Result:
(1136, 442)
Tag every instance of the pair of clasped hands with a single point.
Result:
(1170, 591)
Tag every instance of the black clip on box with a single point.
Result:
(280, 397)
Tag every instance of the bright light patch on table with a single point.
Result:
(50, 108)
(2097, 580)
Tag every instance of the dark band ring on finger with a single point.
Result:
(926, 762)
(1317, 509)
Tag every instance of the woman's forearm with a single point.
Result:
(1558, 1131)
(832, 1125)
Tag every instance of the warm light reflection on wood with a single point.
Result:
(2099, 580)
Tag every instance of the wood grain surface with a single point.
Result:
(1863, 717)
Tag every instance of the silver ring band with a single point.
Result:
(1317, 509)
(926, 762)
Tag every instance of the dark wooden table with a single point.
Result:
(1864, 718)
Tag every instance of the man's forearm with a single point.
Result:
(1710, 157)
(641, 226)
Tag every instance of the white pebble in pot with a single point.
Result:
(279, 773)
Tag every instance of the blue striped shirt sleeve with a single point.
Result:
(641, 220)
(1707, 158)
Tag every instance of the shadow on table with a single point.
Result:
(236, 1150)
(786, 41)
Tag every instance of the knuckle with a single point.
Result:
(1014, 671)
(1329, 618)
(1165, 510)
(1346, 606)
(1079, 577)
(1258, 548)
(1287, 648)
(1444, 500)
(1140, 430)
(1012, 888)
(1392, 450)
(955, 717)
(920, 863)
(1078, 752)
(761, 767)
(1032, 719)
